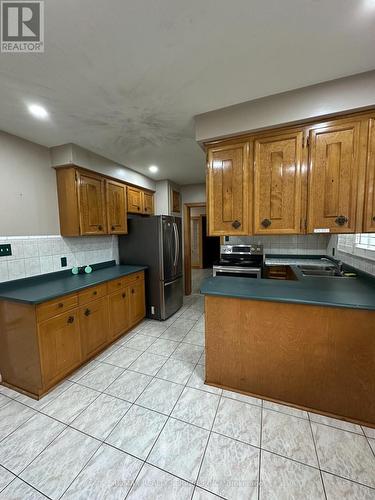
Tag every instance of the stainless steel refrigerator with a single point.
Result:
(156, 242)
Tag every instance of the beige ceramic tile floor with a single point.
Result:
(140, 423)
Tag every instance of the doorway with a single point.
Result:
(200, 250)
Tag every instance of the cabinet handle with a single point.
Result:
(60, 305)
(236, 224)
(123, 295)
(100, 228)
(341, 220)
(266, 223)
(70, 320)
(87, 312)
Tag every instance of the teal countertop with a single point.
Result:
(356, 293)
(46, 287)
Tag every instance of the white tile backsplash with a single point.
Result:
(33, 255)
(309, 244)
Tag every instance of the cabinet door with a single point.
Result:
(135, 204)
(277, 184)
(116, 208)
(333, 172)
(137, 301)
(148, 203)
(369, 219)
(91, 204)
(119, 314)
(60, 346)
(228, 190)
(94, 326)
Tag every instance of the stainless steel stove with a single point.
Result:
(244, 261)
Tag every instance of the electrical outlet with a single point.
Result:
(5, 250)
(64, 262)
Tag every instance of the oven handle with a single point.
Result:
(222, 269)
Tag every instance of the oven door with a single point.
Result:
(238, 272)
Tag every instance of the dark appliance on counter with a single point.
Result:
(156, 242)
(245, 261)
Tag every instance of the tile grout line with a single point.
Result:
(156, 439)
(207, 443)
(260, 447)
(317, 458)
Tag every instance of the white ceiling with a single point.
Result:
(124, 78)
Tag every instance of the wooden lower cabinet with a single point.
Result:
(60, 346)
(137, 301)
(40, 345)
(119, 312)
(93, 320)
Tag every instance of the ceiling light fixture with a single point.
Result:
(38, 111)
(153, 169)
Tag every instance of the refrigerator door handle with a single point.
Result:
(177, 245)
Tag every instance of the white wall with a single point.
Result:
(193, 193)
(336, 96)
(28, 196)
(163, 197)
(71, 153)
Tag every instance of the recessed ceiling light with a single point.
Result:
(153, 169)
(38, 111)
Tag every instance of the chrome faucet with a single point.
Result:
(339, 267)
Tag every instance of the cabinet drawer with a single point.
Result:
(116, 284)
(135, 277)
(54, 307)
(124, 281)
(92, 293)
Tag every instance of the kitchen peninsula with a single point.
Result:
(309, 342)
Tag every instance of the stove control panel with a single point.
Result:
(241, 249)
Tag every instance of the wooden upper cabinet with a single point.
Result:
(228, 190)
(116, 208)
(148, 203)
(134, 200)
(369, 214)
(277, 184)
(92, 204)
(333, 173)
(139, 201)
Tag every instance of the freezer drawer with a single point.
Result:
(172, 297)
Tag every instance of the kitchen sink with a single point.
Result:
(323, 271)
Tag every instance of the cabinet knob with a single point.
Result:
(133, 291)
(341, 220)
(373, 218)
(123, 295)
(236, 224)
(70, 320)
(113, 228)
(95, 293)
(266, 223)
(87, 312)
(100, 228)
(60, 305)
